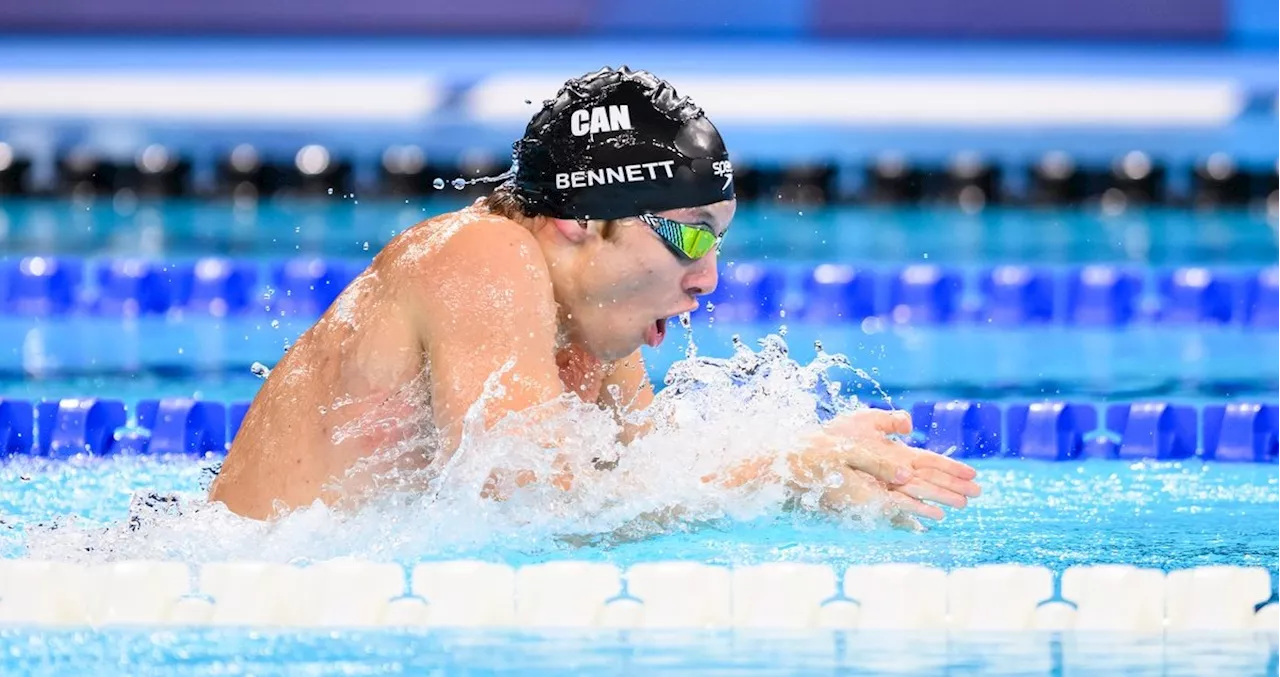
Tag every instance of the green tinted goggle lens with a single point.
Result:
(692, 241)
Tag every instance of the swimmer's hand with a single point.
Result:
(857, 460)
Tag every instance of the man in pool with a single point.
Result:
(608, 227)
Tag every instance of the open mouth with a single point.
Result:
(656, 332)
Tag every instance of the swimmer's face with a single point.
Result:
(631, 283)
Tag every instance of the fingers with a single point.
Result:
(928, 460)
(889, 468)
(897, 422)
(863, 489)
(910, 506)
(856, 488)
(935, 478)
(939, 487)
(950, 482)
(859, 488)
(925, 491)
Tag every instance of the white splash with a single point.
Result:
(714, 414)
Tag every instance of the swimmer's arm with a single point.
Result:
(486, 302)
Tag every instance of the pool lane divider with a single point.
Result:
(923, 294)
(660, 595)
(1045, 430)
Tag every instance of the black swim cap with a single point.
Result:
(618, 143)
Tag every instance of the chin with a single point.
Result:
(608, 349)
(620, 351)
(618, 348)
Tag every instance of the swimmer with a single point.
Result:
(609, 225)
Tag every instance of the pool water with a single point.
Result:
(207, 358)
(1156, 515)
(267, 653)
(1167, 515)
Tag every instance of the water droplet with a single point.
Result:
(275, 324)
(366, 246)
(711, 307)
(260, 370)
(528, 101)
(438, 183)
(685, 321)
(331, 191)
(459, 183)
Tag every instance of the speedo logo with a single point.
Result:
(600, 119)
(723, 168)
(644, 171)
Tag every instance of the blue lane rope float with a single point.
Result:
(1043, 430)
(1003, 296)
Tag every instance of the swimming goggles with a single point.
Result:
(689, 241)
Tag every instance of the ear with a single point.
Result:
(574, 231)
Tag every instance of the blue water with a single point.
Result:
(1167, 515)
(1158, 515)
(210, 359)
(231, 651)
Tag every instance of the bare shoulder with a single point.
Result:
(464, 244)
(470, 269)
(482, 303)
(495, 246)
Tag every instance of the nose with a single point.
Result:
(702, 277)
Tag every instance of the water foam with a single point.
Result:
(713, 414)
